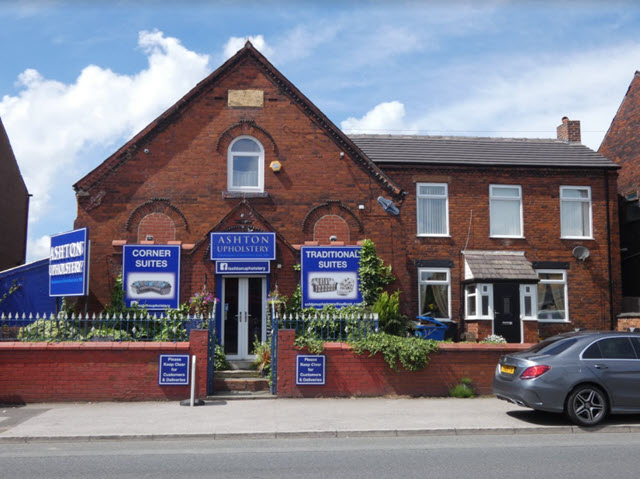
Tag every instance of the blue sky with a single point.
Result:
(79, 78)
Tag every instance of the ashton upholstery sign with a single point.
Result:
(330, 276)
(151, 276)
(253, 245)
(69, 263)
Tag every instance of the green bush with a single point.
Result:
(220, 362)
(49, 330)
(412, 353)
(313, 345)
(108, 334)
(374, 275)
(262, 362)
(462, 390)
(389, 317)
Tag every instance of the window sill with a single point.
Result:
(433, 236)
(556, 321)
(579, 238)
(244, 194)
(506, 237)
(478, 319)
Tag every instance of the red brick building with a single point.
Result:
(14, 207)
(478, 240)
(622, 145)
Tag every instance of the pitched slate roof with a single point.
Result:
(478, 151)
(498, 265)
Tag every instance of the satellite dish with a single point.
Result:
(580, 252)
(388, 206)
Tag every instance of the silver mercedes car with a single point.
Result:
(585, 375)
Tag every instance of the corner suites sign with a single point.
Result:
(330, 276)
(69, 263)
(151, 276)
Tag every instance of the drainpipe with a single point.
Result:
(612, 320)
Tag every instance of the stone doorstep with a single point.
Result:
(238, 374)
(240, 384)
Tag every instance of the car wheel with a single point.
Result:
(587, 405)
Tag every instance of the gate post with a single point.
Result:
(211, 353)
(274, 352)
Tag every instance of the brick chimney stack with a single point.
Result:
(569, 131)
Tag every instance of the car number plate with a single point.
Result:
(507, 369)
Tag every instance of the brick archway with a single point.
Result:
(158, 218)
(332, 219)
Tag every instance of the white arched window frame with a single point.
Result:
(245, 165)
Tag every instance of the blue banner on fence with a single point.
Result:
(173, 370)
(151, 276)
(243, 246)
(310, 370)
(69, 263)
(330, 276)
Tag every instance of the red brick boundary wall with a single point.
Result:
(95, 371)
(348, 374)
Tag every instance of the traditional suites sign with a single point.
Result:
(330, 276)
(69, 263)
(249, 246)
(151, 276)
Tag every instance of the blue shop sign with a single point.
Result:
(243, 267)
(310, 370)
(69, 263)
(330, 276)
(151, 276)
(173, 370)
(246, 246)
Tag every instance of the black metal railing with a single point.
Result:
(331, 327)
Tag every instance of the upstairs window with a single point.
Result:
(433, 209)
(505, 204)
(245, 165)
(575, 212)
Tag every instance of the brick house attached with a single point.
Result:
(480, 232)
(622, 145)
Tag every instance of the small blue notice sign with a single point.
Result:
(310, 370)
(174, 370)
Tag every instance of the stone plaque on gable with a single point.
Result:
(246, 98)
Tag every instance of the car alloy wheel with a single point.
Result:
(587, 405)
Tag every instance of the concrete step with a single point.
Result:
(237, 374)
(240, 384)
(240, 395)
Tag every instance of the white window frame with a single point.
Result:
(420, 197)
(500, 198)
(478, 291)
(529, 291)
(564, 281)
(230, 156)
(446, 282)
(577, 200)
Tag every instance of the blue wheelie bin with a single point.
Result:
(429, 328)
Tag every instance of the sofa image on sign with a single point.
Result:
(160, 287)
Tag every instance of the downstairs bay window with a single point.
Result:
(434, 292)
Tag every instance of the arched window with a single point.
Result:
(245, 165)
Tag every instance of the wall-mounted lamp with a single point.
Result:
(275, 166)
(333, 238)
(149, 237)
(341, 154)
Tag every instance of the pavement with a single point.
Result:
(284, 418)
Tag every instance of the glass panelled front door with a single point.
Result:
(244, 308)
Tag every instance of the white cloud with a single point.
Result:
(51, 124)
(383, 118)
(524, 99)
(236, 43)
(39, 247)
